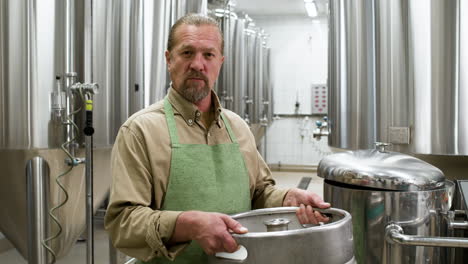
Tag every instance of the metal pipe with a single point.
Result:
(131, 261)
(89, 131)
(89, 201)
(395, 235)
(458, 224)
(37, 195)
(70, 72)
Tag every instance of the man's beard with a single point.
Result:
(193, 93)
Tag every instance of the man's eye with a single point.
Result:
(187, 53)
(209, 55)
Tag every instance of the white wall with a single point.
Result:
(299, 50)
(290, 141)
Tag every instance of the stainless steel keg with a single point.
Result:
(276, 236)
(399, 205)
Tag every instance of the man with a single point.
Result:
(181, 165)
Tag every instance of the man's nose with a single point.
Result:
(198, 62)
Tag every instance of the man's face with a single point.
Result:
(195, 61)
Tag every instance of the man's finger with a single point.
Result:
(320, 217)
(234, 225)
(310, 215)
(301, 215)
(229, 244)
(317, 201)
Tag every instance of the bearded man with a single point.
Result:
(183, 164)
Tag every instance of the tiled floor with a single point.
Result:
(78, 253)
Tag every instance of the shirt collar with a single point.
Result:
(188, 110)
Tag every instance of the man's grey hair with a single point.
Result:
(196, 20)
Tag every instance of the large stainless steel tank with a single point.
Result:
(225, 84)
(240, 68)
(100, 41)
(389, 194)
(267, 96)
(396, 75)
(275, 237)
(39, 40)
(250, 44)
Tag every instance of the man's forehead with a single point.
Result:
(186, 45)
(189, 33)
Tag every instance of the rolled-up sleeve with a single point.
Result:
(135, 227)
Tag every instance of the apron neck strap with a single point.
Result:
(229, 129)
(169, 113)
(171, 121)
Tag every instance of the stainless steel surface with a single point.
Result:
(352, 109)
(417, 212)
(70, 73)
(157, 24)
(399, 64)
(33, 52)
(457, 255)
(395, 235)
(131, 261)
(118, 65)
(382, 170)
(459, 225)
(453, 222)
(329, 243)
(37, 184)
(463, 188)
(259, 50)
(250, 44)
(267, 96)
(244, 84)
(225, 84)
(240, 67)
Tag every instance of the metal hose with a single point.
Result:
(73, 163)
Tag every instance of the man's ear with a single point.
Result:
(168, 60)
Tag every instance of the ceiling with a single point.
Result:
(271, 7)
(276, 7)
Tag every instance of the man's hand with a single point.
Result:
(305, 201)
(210, 230)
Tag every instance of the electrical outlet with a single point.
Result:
(399, 135)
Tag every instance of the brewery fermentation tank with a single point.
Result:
(275, 237)
(244, 82)
(397, 75)
(78, 41)
(389, 194)
(40, 40)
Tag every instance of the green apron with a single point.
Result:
(205, 178)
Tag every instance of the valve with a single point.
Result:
(321, 128)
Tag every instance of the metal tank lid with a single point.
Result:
(378, 168)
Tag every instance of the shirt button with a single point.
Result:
(208, 134)
(198, 114)
(190, 121)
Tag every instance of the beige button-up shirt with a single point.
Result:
(141, 165)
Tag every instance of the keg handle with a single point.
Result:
(238, 256)
(394, 234)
